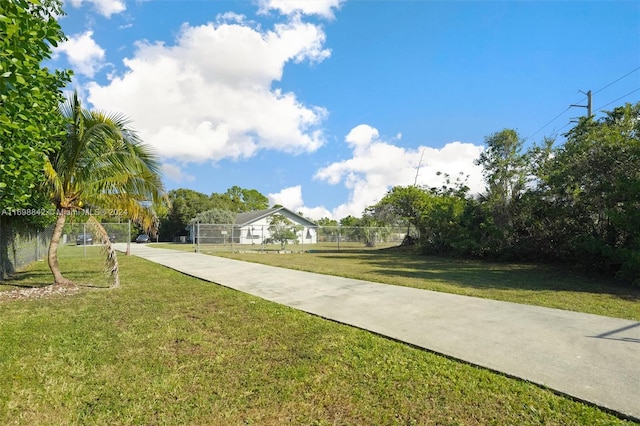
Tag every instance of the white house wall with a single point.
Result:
(258, 231)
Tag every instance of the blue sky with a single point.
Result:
(323, 105)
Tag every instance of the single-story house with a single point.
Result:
(253, 227)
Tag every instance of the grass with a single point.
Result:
(540, 285)
(166, 348)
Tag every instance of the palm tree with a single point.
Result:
(101, 163)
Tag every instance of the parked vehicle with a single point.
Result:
(143, 239)
(84, 239)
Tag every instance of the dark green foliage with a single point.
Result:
(245, 200)
(186, 204)
(325, 221)
(30, 125)
(578, 203)
(593, 187)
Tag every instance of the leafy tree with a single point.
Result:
(101, 163)
(253, 200)
(440, 223)
(30, 126)
(240, 200)
(223, 202)
(325, 221)
(403, 204)
(347, 228)
(504, 167)
(506, 171)
(593, 187)
(217, 216)
(349, 221)
(185, 205)
(282, 230)
(369, 230)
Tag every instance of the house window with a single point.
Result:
(309, 234)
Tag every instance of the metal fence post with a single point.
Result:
(197, 237)
(129, 240)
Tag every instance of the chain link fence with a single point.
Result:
(81, 233)
(230, 237)
(20, 246)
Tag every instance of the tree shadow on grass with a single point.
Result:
(487, 275)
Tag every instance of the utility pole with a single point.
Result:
(588, 105)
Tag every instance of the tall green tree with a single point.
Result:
(241, 200)
(223, 202)
(253, 200)
(403, 204)
(593, 184)
(101, 163)
(30, 126)
(185, 205)
(506, 171)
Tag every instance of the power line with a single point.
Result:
(552, 120)
(615, 81)
(583, 99)
(570, 122)
(555, 118)
(621, 97)
(605, 105)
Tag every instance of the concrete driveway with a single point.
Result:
(589, 357)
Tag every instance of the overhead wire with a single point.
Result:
(605, 105)
(615, 81)
(552, 120)
(583, 99)
(616, 100)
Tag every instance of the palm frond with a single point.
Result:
(103, 163)
(111, 261)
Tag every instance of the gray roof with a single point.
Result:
(247, 218)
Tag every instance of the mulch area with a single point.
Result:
(31, 293)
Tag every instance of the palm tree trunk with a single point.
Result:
(53, 251)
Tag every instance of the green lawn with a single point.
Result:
(166, 348)
(520, 283)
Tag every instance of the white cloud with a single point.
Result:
(322, 8)
(103, 7)
(377, 165)
(175, 173)
(209, 96)
(291, 198)
(84, 54)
